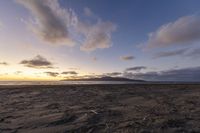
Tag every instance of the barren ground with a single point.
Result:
(100, 108)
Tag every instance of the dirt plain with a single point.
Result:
(127, 108)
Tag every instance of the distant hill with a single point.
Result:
(105, 79)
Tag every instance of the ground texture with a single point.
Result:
(100, 109)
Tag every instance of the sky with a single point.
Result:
(66, 39)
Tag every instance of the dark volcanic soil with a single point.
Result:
(100, 108)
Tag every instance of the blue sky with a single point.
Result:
(99, 37)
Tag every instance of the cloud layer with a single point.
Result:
(185, 30)
(38, 62)
(184, 74)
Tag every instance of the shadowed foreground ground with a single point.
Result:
(100, 108)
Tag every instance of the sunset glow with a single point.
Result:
(72, 39)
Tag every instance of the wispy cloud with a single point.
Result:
(136, 69)
(194, 53)
(51, 21)
(58, 25)
(185, 30)
(88, 12)
(4, 63)
(97, 36)
(52, 74)
(38, 62)
(97, 33)
(185, 52)
(170, 53)
(128, 57)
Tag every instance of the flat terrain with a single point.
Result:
(100, 108)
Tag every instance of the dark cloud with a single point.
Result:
(170, 53)
(184, 74)
(38, 62)
(185, 30)
(70, 72)
(52, 21)
(126, 58)
(52, 74)
(4, 63)
(137, 68)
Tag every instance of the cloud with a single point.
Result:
(126, 58)
(70, 72)
(73, 68)
(137, 68)
(185, 52)
(185, 30)
(4, 63)
(57, 25)
(184, 74)
(170, 53)
(18, 72)
(38, 62)
(96, 32)
(52, 22)
(113, 74)
(97, 36)
(89, 76)
(191, 74)
(128, 74)
(88, 12)
(195, 53)
(52, 74)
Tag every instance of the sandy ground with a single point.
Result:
(100, 108)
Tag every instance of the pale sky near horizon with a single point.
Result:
(140, 39)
